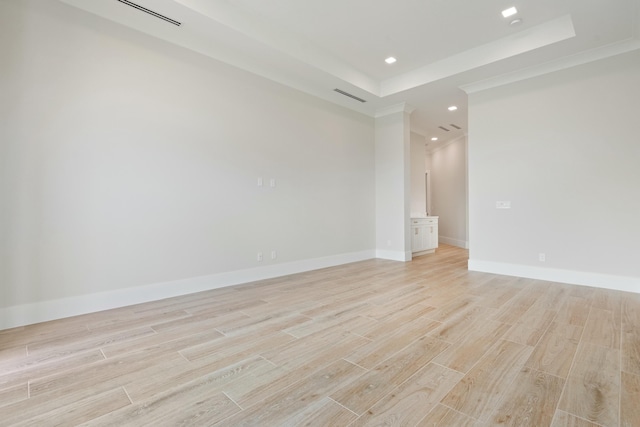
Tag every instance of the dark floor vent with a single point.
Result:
(151, 12)
(455, 126)
(349, 95)
(444, 128)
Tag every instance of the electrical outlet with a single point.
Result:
(274, 255)
(504, 204)
(259, 256)
(260, 182)
(542, 257)
(272, 182)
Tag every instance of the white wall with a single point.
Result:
(449, 191)
(564, 149)
(418, 168)
(127, 162)
(428, 160)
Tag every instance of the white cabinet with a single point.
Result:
(424, 235)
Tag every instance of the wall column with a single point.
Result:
(393, 183)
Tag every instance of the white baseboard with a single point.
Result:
(26, 314)
(605, 281)
(394, 255)
(453, 242)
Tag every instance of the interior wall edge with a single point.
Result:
(453, 242)
(393, 255)
(583, 278)
(27, 314)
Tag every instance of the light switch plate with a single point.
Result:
(504, 204)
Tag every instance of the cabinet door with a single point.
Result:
(424, 237)
(416, 235)
(432, 236)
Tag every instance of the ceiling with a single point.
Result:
(441, 46)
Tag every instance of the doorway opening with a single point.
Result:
(427, 189)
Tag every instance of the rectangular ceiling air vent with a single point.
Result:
(444, 128)
(151, 12)
(455, 126)
(349, 95)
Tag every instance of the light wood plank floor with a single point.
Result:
(424, 343)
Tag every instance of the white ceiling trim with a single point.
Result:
(287, 42)
(524, 41)
(402, 107)
(186, 37)
(305, 51)
(432, 148)
(557, 65)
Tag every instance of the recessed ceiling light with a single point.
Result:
(453, 108)
(509, 12)
(434, 139)
(390, 60)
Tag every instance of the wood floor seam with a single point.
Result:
(124, 388)
(346, 359)
(588, 421)
(341, 405)
(231, 399)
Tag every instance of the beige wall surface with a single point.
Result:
(564, 149)
(127, 161)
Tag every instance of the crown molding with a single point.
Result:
(447, 143)
(552, 66)
(419, 132)
(541, 35)
(402, 107)
(281, 39)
